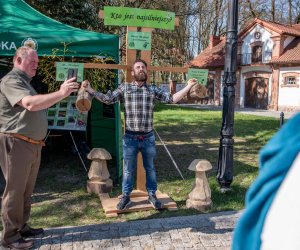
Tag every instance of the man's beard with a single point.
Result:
(140, 77)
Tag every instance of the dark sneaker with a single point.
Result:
(155, 202)
(124, 202)
(31, 232)
(19, 244)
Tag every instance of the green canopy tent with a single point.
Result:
(20, 24)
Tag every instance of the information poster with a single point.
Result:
(200, 74)
(65, 116)
(139, 40)
(62, 70)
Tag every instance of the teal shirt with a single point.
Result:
(14, 118)
(275, 161)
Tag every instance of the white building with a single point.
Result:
(268, 72)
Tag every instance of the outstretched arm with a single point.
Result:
(108, 98)
(39, 102)
(182, 93)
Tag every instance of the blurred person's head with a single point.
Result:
(26, 59)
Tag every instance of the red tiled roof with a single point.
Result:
(210, 57)
(291, 53)
(282, 29)
(214, 57)
(296, 25)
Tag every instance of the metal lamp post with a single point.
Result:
(225, 161)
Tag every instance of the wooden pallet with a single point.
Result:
(139, 202)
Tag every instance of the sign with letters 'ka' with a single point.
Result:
(200, 74)
(124, 16)
(139, 40)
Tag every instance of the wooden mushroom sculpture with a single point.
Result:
(200, 197)
(99, 181)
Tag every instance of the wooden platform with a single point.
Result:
(139, 202)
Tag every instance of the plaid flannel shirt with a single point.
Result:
(138, 102)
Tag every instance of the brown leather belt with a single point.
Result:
(25, 138)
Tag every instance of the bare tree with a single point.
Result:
(251, 9)
(273, 10)
(290, 11)
(198, 20)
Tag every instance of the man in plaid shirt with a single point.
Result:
(138, 98)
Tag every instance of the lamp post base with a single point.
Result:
(224, 190)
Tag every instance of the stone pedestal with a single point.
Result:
(200, 197)
(99, 187)
(99, 181)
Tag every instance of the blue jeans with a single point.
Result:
(132, 144)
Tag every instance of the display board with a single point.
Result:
(136, 17)
(62, 70)
(65, 116)
(139, 40)
(200, 74)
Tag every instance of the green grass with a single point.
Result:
(60, 197)
(195, 134)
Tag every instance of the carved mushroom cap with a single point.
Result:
(200, 165)
(99, 154)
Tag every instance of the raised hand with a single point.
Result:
(191, 82)
(87, 86)
(69, 86)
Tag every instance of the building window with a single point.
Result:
(290, 80)
(256, 54)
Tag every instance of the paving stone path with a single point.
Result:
(203, 231)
